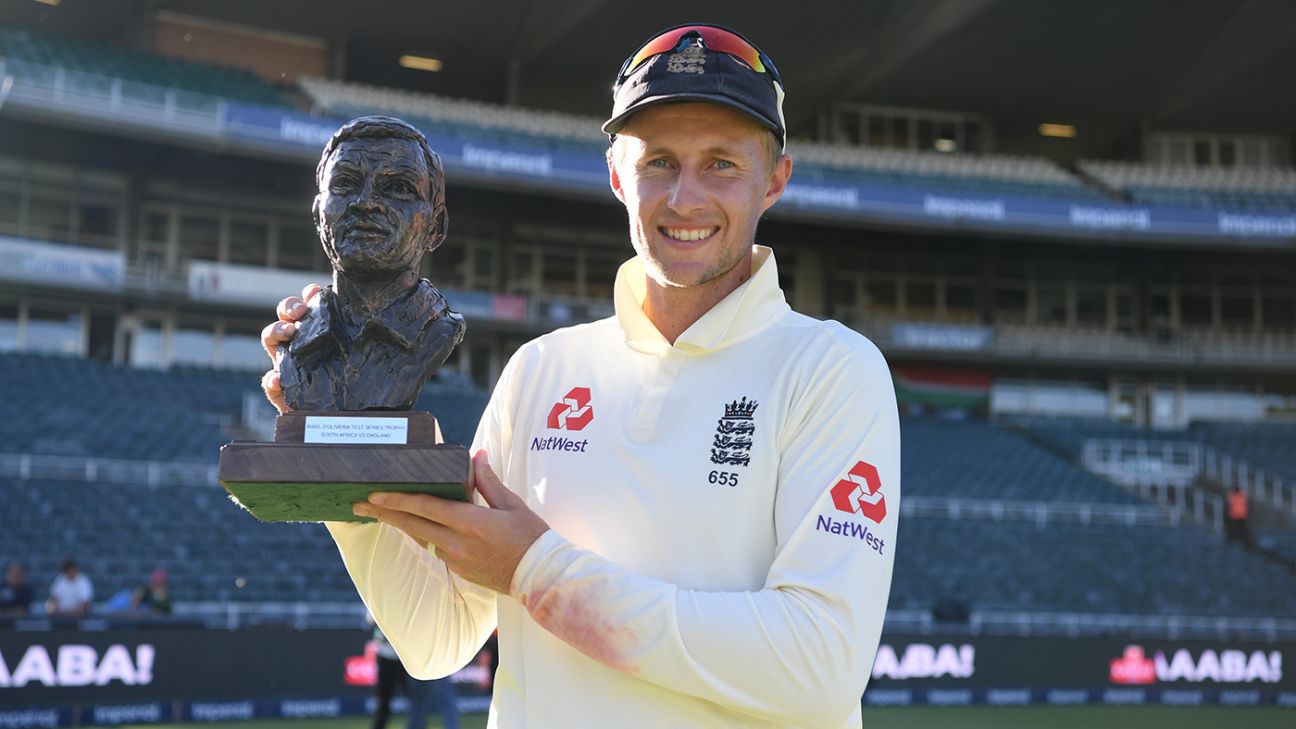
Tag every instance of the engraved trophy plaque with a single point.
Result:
(370, 341)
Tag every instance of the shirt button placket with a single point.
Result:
(648, 415)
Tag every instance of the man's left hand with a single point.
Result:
(482, 544)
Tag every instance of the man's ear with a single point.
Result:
(614, 179)
(440, 225)
(319, 222)
(778, 180)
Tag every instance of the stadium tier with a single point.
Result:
(1267, 445)
(975, 460)
(76, 407)
(345, 98)
(1147, 570)
(101, 59)
(213, 551)
(1272, 189)
(1280, 542)
(119, 533)
(986, 174)
(1068, 435)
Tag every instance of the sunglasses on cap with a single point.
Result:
(713, 37)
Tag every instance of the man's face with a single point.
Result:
(15, 574)
(373, 209)
(695, 179)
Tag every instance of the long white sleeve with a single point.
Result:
(435, 620)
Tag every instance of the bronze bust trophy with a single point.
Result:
(371, 341)
(379, 332)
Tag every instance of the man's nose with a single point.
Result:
(366, 196)
(688, 193)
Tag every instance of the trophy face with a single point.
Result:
(374, 211)
(372, 339)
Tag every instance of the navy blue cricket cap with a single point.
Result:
(699, 62)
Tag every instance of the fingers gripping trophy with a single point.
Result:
(364, 346)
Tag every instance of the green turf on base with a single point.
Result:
(313, 502)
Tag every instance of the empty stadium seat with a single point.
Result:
(148, 70)
(54, 405)
(975, 460)
(1148, 570)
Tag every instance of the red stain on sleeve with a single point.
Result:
(570, 612)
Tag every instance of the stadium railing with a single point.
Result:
(156, 106)
(233, 615)
(1024, 623)
(1258, 484)
(1169, 626)
(1158, 468)
(1037, 512)
(30, 466)
(340, 615)
(1248, 188)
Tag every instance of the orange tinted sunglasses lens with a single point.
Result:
(715, 39)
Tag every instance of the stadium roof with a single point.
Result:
(1107, 66)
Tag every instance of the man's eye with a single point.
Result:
(725, 164)
(659, 162)
(401, 188)
(342, 184)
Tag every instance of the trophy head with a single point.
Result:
(380, 200)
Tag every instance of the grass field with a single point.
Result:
(977, 717)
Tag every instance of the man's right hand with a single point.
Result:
(291, 310)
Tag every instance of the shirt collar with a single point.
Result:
(401, 322)
(747, 309)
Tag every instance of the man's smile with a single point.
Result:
(688, 235)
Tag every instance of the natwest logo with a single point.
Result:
(573, 412)
(1133, 667)
(861, 491)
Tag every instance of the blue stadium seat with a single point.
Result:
(146, 72)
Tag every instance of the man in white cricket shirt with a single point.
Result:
(687, 512)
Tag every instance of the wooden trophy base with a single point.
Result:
(323, 462)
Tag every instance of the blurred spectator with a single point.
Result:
(70, 593)
(1235, 523)
(15, 594)
(154, 597)
(438, 694)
